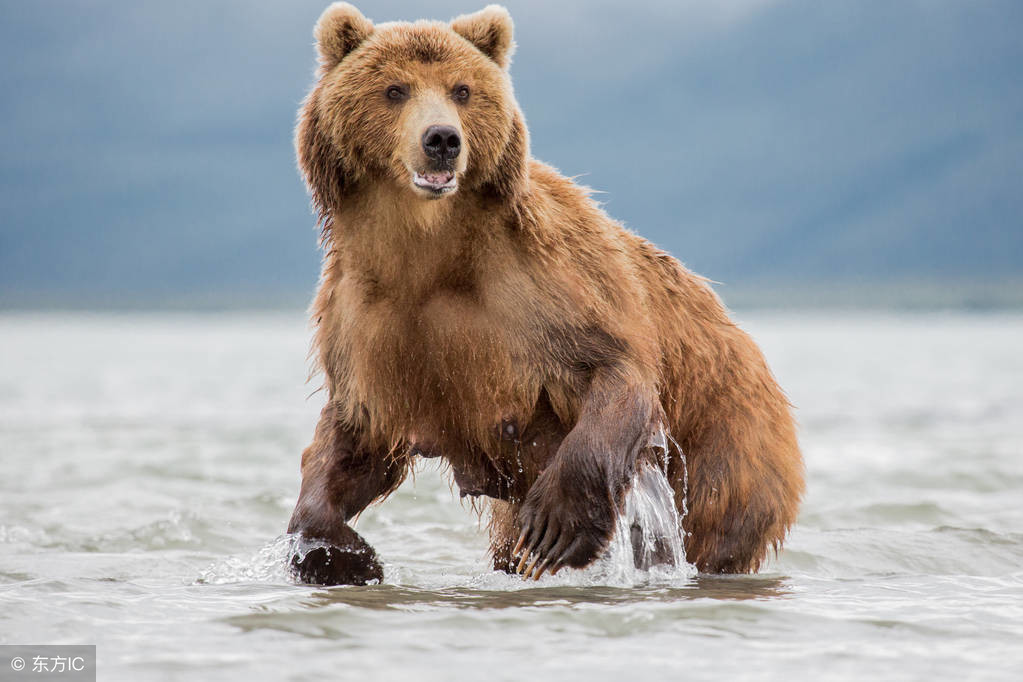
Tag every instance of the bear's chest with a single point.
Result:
(452, 362)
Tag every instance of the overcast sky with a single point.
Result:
(146, 146)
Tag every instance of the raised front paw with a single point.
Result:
(567, 519)
(319, 562)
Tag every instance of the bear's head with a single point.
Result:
(425, 108)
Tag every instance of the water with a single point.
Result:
(147, 464)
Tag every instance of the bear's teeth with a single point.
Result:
(434, 180)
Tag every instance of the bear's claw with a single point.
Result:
(559, 538)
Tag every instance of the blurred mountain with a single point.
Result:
(147, 159)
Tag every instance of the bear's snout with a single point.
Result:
(441, 147)
(442, 144)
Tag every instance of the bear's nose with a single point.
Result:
(442, 143)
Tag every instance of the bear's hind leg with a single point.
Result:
(745, 483)
(504, 529)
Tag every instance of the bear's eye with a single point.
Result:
(461, 93)
(396, 93)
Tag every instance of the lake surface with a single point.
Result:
(148, 462)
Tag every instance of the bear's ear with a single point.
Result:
(490, 30)
(341, 29)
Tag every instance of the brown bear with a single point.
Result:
(476, 305)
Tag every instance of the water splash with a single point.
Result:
(648, 542)
(270, 564)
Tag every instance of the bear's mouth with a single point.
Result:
(436, 182)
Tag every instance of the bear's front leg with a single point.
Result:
(569, 514)
(340, 478)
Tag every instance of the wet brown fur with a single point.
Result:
(513, 328)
